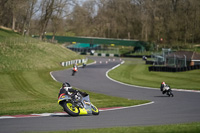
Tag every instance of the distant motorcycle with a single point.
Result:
(74, 70)
(168, 91)
(79, 105)
(84, 65)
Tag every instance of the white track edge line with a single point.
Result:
(129, 106)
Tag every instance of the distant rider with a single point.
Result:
(162, 87)
(84, 64)
(75, 67)
(144, 58)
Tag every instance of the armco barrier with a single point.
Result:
(173, 69)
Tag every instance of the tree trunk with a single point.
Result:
(44, 20)
(13, 21)
(129, 35)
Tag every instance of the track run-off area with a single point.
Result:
(182, 108)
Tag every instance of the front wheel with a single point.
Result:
(95, 110)
(68, 108)
(170, 93)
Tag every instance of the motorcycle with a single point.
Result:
(77, 105)
(84, 65)
(168, 91)
(74, 70)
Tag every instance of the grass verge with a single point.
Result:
(176, 128)
(135, 72)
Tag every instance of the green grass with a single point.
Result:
(26, 85)
(176, 128)
(7, 33)
(32, 56)
(26, 92)
(135, 72)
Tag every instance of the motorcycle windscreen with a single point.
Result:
(87, 104)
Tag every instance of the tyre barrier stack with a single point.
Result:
(77, 61)
(173, 69)
(106, 55)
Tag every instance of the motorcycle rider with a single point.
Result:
(75, 67)
(66, 89)
(162, 87)
(84, 64)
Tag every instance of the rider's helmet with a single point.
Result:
(66, 86)
(163, 83)
(75, 65)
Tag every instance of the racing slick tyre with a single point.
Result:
(170, 94)
(67, 106)
(73, 73)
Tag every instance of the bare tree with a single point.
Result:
(57, 22)
(30, 12)
(46, 13)
(173, 20)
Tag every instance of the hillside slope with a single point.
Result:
(25, 64)
(24, 53)
(6, 32)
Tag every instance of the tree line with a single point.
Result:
(168, 21)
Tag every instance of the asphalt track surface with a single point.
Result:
(183, 108)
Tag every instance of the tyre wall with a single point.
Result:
(173, 69)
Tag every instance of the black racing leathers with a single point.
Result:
(62, 90)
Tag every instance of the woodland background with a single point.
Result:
(169, 21)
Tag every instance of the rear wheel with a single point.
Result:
(68, 108)
(95, 110)
(73, 72)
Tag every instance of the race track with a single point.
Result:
(183, 108)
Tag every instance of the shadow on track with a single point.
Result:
(161, 96)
